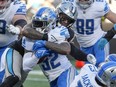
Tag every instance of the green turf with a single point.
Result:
(36, 80)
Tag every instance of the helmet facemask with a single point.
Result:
(67, 13)
(43, 20)
(107, 73)
(4, 4)
(65, 20)
(39, 25)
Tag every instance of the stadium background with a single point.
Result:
(36, 77)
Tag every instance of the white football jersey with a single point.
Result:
(15, 8)
(88, 23)
(86, 77)
(56, 63)
(58, 35)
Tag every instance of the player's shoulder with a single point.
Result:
(61, 28)
(100, 1)
(21, 7)
(16, 2)
(101, 5)
(90, 67)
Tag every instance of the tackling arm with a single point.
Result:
(63, 48)
(77, 54)
(80, 55)
(31, 33)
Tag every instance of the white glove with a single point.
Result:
(91, 59)
(12, 29)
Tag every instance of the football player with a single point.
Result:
(88, 26)
(32, 32)
(56, 67)
(104, 76)
(12, 16)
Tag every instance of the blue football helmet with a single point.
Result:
(107, 73)
(84, 3)
(44, 18)
(111, 57)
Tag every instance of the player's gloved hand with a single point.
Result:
(42, 52)
(12, 29)
(91, 59)
(102, 42)
(38, 44)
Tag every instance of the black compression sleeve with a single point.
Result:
(77, 54)
(45, 37)
(110, 34)
(20, 22)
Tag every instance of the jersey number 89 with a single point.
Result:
(85, 26)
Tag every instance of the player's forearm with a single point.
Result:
(31, 33)
(110, 34)
(77, 54)
(63, 48)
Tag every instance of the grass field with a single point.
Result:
(37, 79)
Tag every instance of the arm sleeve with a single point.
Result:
(110, 34)
(77, 54)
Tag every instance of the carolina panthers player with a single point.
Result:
(90, 76)
(12, 16)
(88, 26)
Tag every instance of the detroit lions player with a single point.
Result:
(56, 67)
(12, 16)
(90, 76)
(15, 51)
(88, 26)
(104, 76)
(33, 33)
